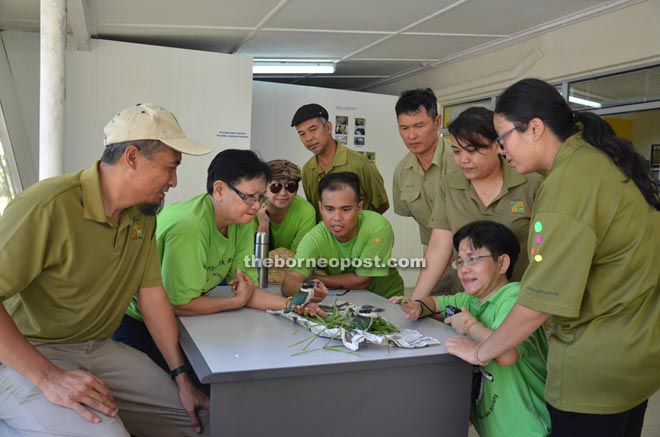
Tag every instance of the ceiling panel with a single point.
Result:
(304, 44)
(378, 68)
(381, 15)
(243, 13)
(502, 17)
(427, 47)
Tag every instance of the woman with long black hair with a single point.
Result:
(594, 249)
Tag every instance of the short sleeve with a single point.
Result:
(400, 207)
(308, 249)
(306, 223)
(560, 252)
(439, 219)
(183, 257)
(373, 185)
(152, 273)
(24, 235)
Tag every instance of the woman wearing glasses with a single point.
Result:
(508, 400)
(484, 188)
(286, 216)
(594, 246)
(205, 241)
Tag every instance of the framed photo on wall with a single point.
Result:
(655, 155)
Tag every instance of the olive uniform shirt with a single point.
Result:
(68, 272)
(458, 204)
(414, 190)
(372, 187)
(594, 246)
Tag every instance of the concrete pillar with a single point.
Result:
(52, 88)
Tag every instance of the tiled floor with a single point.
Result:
(651, 420)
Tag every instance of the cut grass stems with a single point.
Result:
(348, 320)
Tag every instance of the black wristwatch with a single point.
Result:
(179, 370)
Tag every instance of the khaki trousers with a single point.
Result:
(147, 398)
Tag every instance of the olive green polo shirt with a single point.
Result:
(414, 190)
(68, 272)
(372, 187)
(594, 247)
(457, 204)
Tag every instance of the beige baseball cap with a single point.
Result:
(148, 121)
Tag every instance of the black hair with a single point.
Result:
(339, 181)
(233, 165)
(534, 98)
(410, 101)
(148, 148)
(472, 126)
(497, 238)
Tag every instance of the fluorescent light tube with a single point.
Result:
(292, 68)
(584, 102)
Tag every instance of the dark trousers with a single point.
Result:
(626, 424)
(135, 334)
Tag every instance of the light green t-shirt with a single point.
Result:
(68, 272)
(594, 246)
(300, 218)
(372, 187)
(367, 253)
(414, 190)
(195, 256)
(512, 404)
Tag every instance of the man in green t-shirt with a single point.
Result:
(74, 250)
(315, 132)
(352, 246)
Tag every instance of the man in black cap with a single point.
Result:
(315, 131)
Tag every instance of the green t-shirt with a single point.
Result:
(68, 272)
(300, 218)
(457, 204)
(594, 247)
(367, 254)
(194, 255)
(372, 187)
(414, 190)
(512, 404)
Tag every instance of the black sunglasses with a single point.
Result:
(276, 187)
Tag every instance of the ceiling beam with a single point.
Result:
(79, 14)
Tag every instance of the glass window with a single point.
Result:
(450, 112)
(630, 87)
(9, 183)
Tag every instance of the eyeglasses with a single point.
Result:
(250, 200)
(276, 187)
(501, 138)
(458, 263)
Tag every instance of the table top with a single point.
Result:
(248, 344)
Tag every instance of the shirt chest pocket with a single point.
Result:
(410, 195)
(413, 198)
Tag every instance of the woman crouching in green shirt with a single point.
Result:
(508, 399)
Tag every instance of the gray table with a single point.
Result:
(258, 388)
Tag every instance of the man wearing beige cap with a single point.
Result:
(74, 249)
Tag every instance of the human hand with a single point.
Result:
(242, 287)
(463, 348)
(320, 291)
(79, 390)
(310, 309)
(263, 218)
(192, 399)
(409, 306)
(458, 321)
